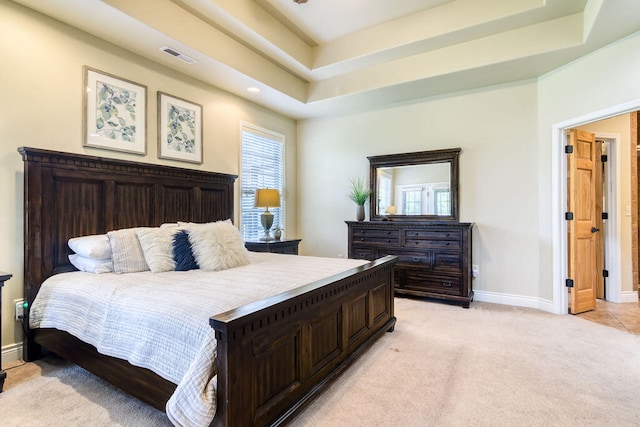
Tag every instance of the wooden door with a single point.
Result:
(584, 200)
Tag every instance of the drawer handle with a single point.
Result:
(416, 259)
(388, 232)
(416, 242)
(388, 240)
(362, 239)
(447, 284)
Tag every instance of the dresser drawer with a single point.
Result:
(409, 258)
(374, 236)
(361, 253)
(433, 234)
(448, 239)
(421, 280)
(449, 261)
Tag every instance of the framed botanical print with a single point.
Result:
(179, 129)
(114, 113)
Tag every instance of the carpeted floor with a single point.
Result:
(490, 365)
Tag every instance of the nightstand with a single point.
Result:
(284, 246)
(3, 278)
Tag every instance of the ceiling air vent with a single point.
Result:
(175, 53)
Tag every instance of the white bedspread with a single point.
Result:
(161, 321)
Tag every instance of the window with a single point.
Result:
(262, 166)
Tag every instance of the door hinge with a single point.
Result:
(604, 158)
(568, 216)
(569, 283)
(568, 149)
(605, 273)
(605, 215)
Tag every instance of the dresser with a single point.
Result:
(434, 257)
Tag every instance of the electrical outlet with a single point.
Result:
(19, 304)
(340, 255)
(475, 270)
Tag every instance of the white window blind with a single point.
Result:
(262, 167)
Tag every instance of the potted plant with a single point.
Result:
(359, 193)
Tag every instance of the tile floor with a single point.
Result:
(625, 316)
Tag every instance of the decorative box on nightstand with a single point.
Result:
(284, 246)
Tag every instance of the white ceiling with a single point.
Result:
(338, 56)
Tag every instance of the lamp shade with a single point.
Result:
(267, 198)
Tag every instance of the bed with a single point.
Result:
(273, 355)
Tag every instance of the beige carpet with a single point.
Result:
(490, 365)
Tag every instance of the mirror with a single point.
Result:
(415, 186)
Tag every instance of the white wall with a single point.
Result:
(497, 131)
(505, 133)
(41, 106)
(594, 87)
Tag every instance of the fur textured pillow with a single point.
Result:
(217, 246)
(128, 256)
(182, 253)
(157, 246)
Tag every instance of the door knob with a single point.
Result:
(594, 230)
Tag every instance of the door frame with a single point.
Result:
(559, 204)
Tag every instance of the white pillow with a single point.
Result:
(157, 246)
(91, 265)
(127, 253)
(94, 246)
(217, 245)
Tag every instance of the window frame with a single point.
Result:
(246, 189)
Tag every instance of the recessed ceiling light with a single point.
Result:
(253, 89)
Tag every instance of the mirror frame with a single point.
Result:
(449, 155)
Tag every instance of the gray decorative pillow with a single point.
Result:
(157, 246)
(128, 256)
(217, 246)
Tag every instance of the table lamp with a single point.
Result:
(267, 198)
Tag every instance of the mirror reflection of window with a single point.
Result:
(412, 202)
(443, 201)
(384, 191)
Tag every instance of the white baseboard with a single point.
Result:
(11, 353)
(515, 300)
(629, 296)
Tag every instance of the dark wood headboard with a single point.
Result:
(68, 195)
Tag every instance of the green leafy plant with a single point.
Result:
(360, 192)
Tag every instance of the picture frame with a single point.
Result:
(179, 129)
(114, 113)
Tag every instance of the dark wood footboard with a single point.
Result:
(275, 355)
